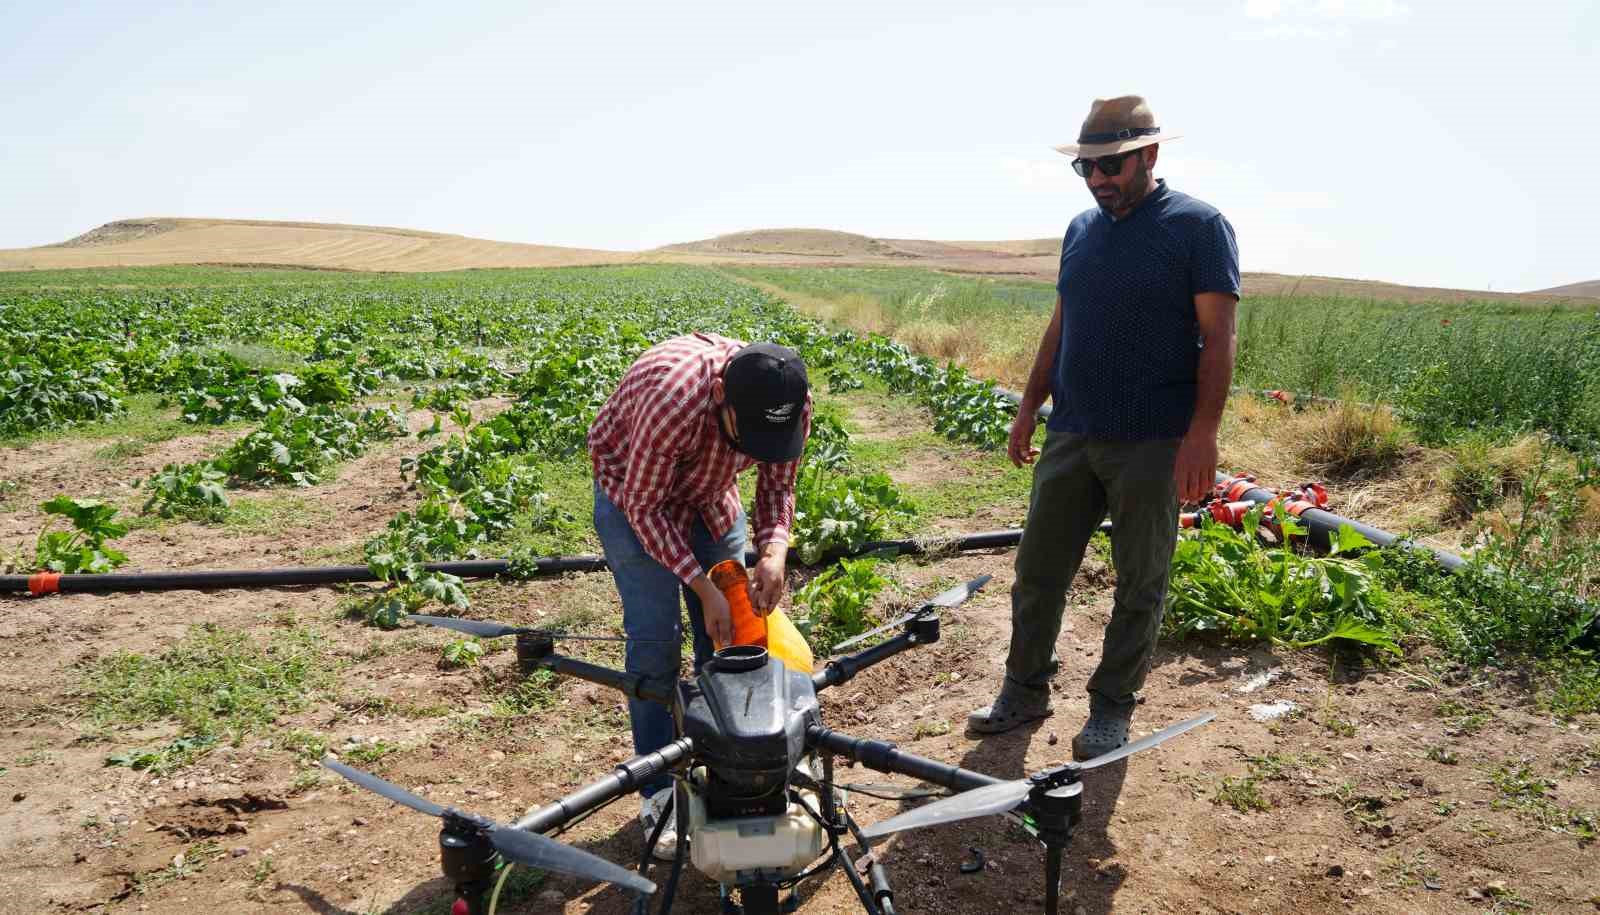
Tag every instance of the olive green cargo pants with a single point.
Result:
(1076, 481)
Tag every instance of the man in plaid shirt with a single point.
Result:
(667, 448)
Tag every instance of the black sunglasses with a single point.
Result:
(1110, 166)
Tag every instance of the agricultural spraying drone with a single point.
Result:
(753, 773)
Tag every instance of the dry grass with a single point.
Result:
(1348, 441)
(1481, 473)
(958, 343)
(969, 344)
(800, 242)
(1270, 440)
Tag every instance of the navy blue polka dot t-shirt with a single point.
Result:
(1130, 347)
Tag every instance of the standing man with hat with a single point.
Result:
(667, 447)
(1137, 360)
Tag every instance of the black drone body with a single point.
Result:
(748, 716)
(755, 802)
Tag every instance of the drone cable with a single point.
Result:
(494, 898)
(887, 792)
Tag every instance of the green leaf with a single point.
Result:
(1348, 540)
(446, 589)
(1353, 630)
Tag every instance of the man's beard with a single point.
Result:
(1125, 199)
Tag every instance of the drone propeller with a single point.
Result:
(1006, 796)
(486, 630)
(526, 848)
(384, 789)
(950, 598)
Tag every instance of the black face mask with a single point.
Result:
(716, 417)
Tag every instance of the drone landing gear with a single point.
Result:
(1055, 814)
(678, 809)
(879, 898)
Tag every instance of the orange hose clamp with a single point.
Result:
(1234, 488)
(44, 583)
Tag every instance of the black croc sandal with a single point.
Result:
(1101, 734)
(1006, 713)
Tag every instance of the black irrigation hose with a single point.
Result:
(472, 568)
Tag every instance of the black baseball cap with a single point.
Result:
(766, 385)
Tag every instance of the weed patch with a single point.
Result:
(215, 683)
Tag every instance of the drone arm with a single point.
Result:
(627, 776)
(920, 630)
(540, 653)
(882, 756)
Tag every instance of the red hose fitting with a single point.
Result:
(1229, 513)
(44, 583)
(1233, 488)
(1315, 493)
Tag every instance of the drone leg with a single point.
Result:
(655, 836)
(680, 805)
(882, 895)
(827, 783)
(854, 878)
(1052, 876)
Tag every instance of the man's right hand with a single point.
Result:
(1021, 445)
(715, 611)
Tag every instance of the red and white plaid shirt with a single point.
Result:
(660, 456)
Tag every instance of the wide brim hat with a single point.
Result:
(1116, 125)
(766, 385)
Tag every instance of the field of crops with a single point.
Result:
(162, 418)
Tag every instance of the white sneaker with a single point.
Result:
(650, 811)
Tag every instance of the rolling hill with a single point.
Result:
(330, 246)
(146, 242)
(1589, 289)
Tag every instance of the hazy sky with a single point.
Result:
(1436, 143)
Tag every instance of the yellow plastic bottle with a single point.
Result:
(775, 631)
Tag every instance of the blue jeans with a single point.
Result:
(649, 594)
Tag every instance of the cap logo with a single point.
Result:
(779, 414)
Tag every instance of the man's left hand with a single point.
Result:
(1196, 468)
(767, 588)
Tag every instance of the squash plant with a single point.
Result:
(1225, 580)
(83, 548)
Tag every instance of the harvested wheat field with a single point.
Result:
(327, 246)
